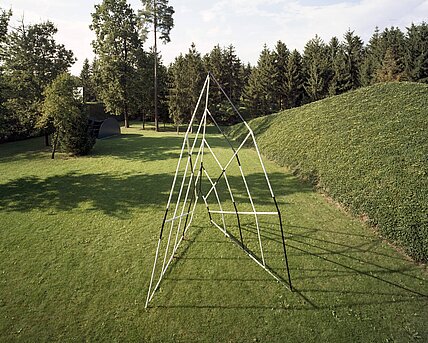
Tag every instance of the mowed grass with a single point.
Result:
(78, 237)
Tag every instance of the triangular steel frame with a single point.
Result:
(188, 196)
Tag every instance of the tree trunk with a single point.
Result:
(46, 138)
(126, 84)
(144, 120)
(156, 65)
(178, 129)
(126, 116)
(54, 146)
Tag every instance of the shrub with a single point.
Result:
(63, 110)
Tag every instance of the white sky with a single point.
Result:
(247, 24)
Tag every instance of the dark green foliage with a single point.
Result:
(281, 55)
(340, 80)
(259, 93)
(294, 79)
(87, 82)
(4, 22)
(5, 118)
(353, 52)
(187, 75)
(75, 137)
(62, 110)
(368, 150)
(117, 46)
(316, 69)
(159, 15)
(416, 56)
(32, 59)
(228, 70)
(144, 99)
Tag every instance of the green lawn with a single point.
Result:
(78, 236)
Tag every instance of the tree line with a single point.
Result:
(284, 78)
(135, 84)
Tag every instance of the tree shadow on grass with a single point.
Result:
(116, 195)
(109, 194)
(138, 147)
(23, 150)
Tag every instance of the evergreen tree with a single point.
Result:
(86, 81)
(214, 63)
(416, 55)
(145, 84)
(316, 70)
(178, 101)
(373, 56)
(281, 55)
(117, 46)
(4, 22)
(392, 41)
(232, 73)
(259, 93)
(353, 49)
(390, 69)
(294, 79)
(158, 14)
(187, 75)
(340, 78)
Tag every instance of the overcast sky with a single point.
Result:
(247, 24)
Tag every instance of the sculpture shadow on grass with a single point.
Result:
(343, 270)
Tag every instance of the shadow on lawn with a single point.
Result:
(110, 194)
(116, 195)
(137, 147)
(132, 146)
(329, 271)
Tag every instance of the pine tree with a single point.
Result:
(117, 46)
(340, 78)
(294, 79)
(390, 69)
(281, 55)
(416, 55)
(259, 93)
(6, 120)
(214, 63)
(373, 56)
(158, 14)
(316, 71)
(392, 41)
(353, 50)
(232, 74)
(187, 75)
(86, 81)
(177, 100)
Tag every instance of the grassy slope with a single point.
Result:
(77, 239)
(367, 149)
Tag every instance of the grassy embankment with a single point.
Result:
(367, 149)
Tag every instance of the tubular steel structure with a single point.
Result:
(190, 191)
